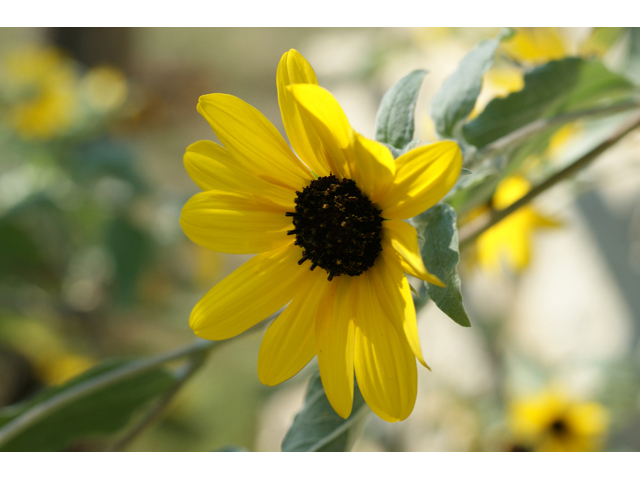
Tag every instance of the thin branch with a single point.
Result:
(545, 123)
(66, 397)
(467, 237)
(157, 409)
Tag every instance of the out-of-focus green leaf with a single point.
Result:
(317, 427)
(103, 412)
(105, 157)
(600, 40)
(633, 54)
(395, 119)
(130, 248)
(457, 97)
(437, 226)
(556, 87)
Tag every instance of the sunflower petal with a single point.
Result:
(335, 343)
(289, 343)
(384, 364)
(423, 176)
(251, 293)
(375, 168)
(394, 294)
(403, 239)
(211, 167)
(294, 68)
(235, 222)
(253, 140)
(324, 114)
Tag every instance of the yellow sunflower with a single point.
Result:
(553, 422)
(327, 228)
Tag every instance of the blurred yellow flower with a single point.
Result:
(536, 45)
(41, 87)
(552, 422)
(54, 360)
(57, 369)
(510, 240)
(342, 209)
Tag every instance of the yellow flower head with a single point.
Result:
(327, 228)
(552, 422)
(42, 90)
(510, 240)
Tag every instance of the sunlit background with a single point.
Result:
(94, 265)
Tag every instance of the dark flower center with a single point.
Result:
(559, 427)
(337, 227)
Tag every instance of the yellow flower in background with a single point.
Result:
(536, 45)
(59, 369)
(55, 361)
(510, 240)
(327, 226)
(553, 422)
(41, 86)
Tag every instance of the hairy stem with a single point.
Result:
(469, 235)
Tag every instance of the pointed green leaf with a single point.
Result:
(395, 120)
(440, 255)
(318, 428)
(457, 97)
(551, 89)
(103, 412)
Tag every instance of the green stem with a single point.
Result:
(470, 235)
(66, 397)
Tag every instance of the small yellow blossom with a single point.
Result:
(41, 87)
(510, 240)
(327, 225)
(553, 422)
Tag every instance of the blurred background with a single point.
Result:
(94, 265)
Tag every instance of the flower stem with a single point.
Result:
(66, 397)
(469, 235)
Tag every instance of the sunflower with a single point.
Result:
(551, 421)
(327, 227)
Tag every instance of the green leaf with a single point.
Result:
(131, 248)
(317, 427)
(103, 412)
(633, 54)
(440, 254)
(556, 87)
(397, 152)
(395, 119)
(457, 97)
